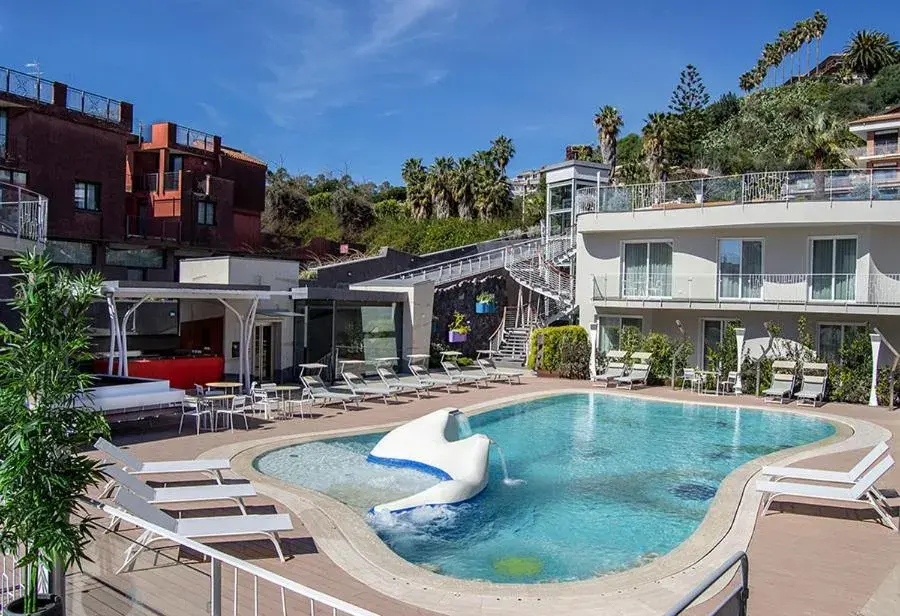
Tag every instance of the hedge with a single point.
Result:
(566, 351)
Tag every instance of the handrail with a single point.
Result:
(217, 557)
(743, 592)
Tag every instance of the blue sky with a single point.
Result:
(361, 85)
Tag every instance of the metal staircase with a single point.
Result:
(510, 340)
(548, 273)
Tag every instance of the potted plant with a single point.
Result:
(484, 303)
(459, 328)
(43, 429)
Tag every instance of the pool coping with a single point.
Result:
(344, 536)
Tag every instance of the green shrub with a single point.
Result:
(566, 351)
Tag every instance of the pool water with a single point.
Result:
(610, 483)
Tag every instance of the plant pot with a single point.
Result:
(485, 308)
(457, 336)
(48, 605)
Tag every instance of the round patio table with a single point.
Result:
(226, 385)
(214, 402)
(289, 390)
(709, 374)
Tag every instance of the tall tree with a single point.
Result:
(503, 150)
(608, 121)
(464, 187)
(822, 140)
(417, 198)
(440, 186)
(690, 94)
(492, 190)
(687, 103)
(868, 51)
(820, 23)
(287, 201)
(353, 210)
(656, 135)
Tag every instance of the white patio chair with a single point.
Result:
(726, 385)
(690, 377)
(861, 491)
(778, 473)
(268, 525)
(239, 406)
(193, 406)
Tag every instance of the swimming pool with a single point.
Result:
(610, 483)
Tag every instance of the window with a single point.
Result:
(647, 269)
(87, 196)
(883, 173)
(885, 143)
(713, 330)
(19, 178)
(832, 336)
(833, 269)
(135, 258)
(206, 213)
(72, 253)
(610, 329)
(740, 269)
(176, 162)
(561, 197)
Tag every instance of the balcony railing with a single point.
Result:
(881, 149)
(23, 213)
(194, 138)
(94, 105)
(26, 86)
(172, 180)
(166, 229)
(769, 186)
(13, 150)
(870, 289)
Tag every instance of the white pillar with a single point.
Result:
(876, 347)
(739, 334)
(593, 330)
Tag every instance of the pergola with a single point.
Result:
(230, 296)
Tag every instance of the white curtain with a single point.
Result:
(751, 269)
(729, 268)
(845, 269)
(660, 279)
(822, 262)
(635, 281)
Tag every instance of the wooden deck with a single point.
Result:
(809, 559)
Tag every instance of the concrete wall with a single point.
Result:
(460, 297)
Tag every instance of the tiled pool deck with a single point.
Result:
(812, 559)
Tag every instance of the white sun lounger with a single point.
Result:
(426, 377)
(235, 492)
(268, 525)
(812, 386)
(861, 491)
(491, 371)
(362, 388)
(782, 387)
(451, 369)
(319, 392)
(212, 467)
(390, 379)
(613, 371)
(814, 474)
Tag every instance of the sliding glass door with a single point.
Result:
(833, 267)
(647, 269)
(740, 269)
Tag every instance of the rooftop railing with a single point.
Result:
(24, 85)
(767, 186)
(94, 105)
(194, 138)
(842, 289)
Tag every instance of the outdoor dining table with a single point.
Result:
(228, 386)
(709, 374)
(289, 390)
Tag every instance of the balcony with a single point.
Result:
(157, 228)
(881, 149)
(751, 188)
(754, 291)
(171, 181)
(23, 216)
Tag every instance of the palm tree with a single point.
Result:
(465, 181)
(417, 199)
(440, 186)
(503, 150)
(772, 56)
(656, 134)
(820, 22)
(823, 140)
(869, 51)
(608, 121)
(491, 187)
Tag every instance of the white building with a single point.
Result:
(754, 248)
(525, 183)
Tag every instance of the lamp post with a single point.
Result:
(876, 347)
(593, 336)
(739, 334)
(677, 349)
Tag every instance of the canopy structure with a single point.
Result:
(241, 300)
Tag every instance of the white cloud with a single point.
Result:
(321, 54)
(213, 114)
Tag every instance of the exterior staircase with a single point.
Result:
(548, 272)
(510, 340)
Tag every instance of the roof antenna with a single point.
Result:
(35, 69)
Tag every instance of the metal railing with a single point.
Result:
(172, 180)
(880, 149)
(733, 602)
(463, 267)
(194, 138)
(94, 105)
(768, 186)
(23, 213)
(860, 289)
(151, 227)
(314, 599)
(12, 579)
(27, 86)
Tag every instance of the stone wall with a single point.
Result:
(460, 297)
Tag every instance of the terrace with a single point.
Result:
(798, 558)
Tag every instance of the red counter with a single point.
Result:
(181, 372)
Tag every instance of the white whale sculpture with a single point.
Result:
(430, 444)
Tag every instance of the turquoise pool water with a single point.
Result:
(610, 483)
